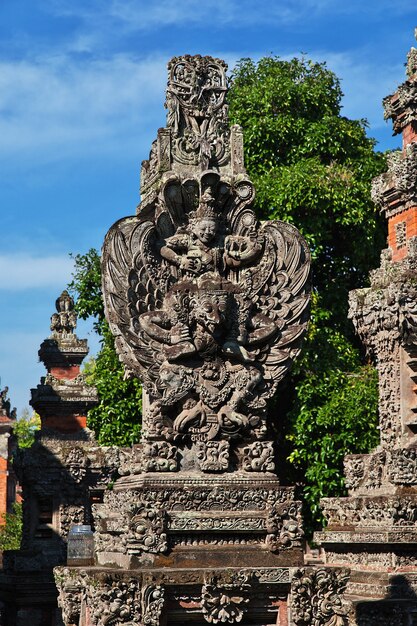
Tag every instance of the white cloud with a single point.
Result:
(21, 271)
(56, 104)
(134, 15)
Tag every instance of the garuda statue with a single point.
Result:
(208, 306)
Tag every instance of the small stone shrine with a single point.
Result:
(61, 475)
(208, 307)
(374, 530)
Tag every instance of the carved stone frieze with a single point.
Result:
(216, 522)
(212, 456)
(370, 511)
(259, 457)
(317, 597)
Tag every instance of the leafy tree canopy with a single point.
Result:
(313, 167)
(25, 427)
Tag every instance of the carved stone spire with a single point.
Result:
(63, 397)
(197, 136)
(373, 531)
(208, 308)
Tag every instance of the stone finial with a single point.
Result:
(65, 320)
(197, 136)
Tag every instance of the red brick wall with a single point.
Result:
(410, 218)
(67, 424)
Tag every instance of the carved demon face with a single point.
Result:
(210, 310)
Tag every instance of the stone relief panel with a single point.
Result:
(259, 457)
(284, 526)
(212, 456)
(371, 511)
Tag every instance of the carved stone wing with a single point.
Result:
(278, 284)
(289, 296)
(133, 283)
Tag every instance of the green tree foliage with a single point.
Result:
(116, 419)
(11, 530)
(313, 167)
(26, 427)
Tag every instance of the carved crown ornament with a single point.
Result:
(208, 306)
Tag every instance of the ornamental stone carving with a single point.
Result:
(259, 457)
(208, 306)
(284, 526)
(159, 456)
(225, 603)
(146, 529)
(212, 456)
(317, 597)
(117, 602)
(153, 598)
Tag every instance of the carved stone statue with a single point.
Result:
(208, 308)
(207, 305)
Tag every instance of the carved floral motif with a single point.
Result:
(225, 603)
(284, 526)
(160, 456)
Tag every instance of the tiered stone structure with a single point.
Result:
(8, 481)
(61, 475)
(208, 308)
(374, 530)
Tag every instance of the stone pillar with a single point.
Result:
(60, 475)
(374, 530)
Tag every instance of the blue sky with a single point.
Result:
(81, 97)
